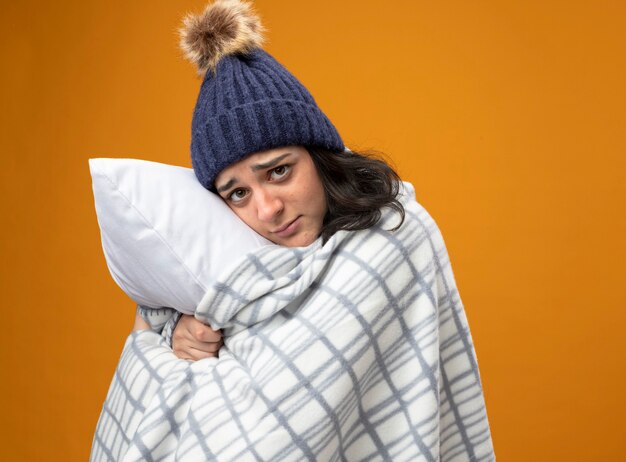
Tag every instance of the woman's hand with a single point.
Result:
(194, 340)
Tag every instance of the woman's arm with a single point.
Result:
(140, 323)
(191, 339)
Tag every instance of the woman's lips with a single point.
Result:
(288, 230)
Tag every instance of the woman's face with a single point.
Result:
(278, 193)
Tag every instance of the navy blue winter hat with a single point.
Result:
(248, 101)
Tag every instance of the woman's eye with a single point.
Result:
(237, 195)
(279, 172)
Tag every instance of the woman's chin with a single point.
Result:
(298, 240)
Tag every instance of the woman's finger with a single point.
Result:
(198, 330)
(204, 333)
(197, 350)
(209, 347)
(200, 354)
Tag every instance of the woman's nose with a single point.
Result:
(269, 206)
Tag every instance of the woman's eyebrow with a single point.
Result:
(227, 185)
(270, 163)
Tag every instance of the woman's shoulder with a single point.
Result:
(415, 212)
(418, 223)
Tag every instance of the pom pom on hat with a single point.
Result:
(224, 27)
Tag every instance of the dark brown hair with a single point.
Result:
(357, 185)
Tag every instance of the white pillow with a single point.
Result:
(165, 237)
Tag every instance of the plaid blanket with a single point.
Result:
(355, 350)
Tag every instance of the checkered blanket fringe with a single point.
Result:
(353, 351)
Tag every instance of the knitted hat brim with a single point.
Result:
(256, 127)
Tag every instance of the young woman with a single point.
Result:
(292, 196)
(346, 341)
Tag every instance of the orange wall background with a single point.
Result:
(508, 117)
